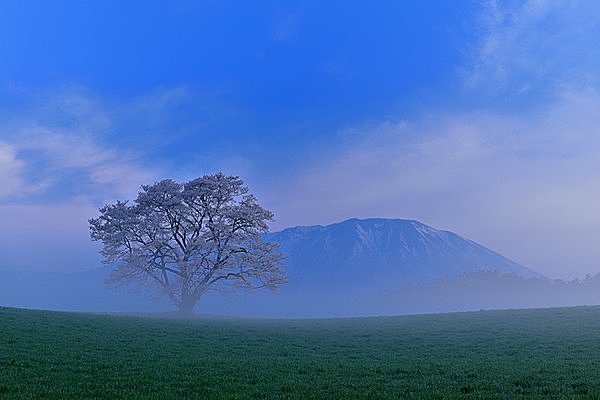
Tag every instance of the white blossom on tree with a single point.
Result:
(187, 239)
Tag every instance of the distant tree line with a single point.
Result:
(495, 290)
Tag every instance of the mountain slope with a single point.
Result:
(388, 252)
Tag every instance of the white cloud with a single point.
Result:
(67, 152)
(59, 161)
(535, 45)
(11, 170)
(64, 147)
(13, 183)
(526, 186)
(80, 164)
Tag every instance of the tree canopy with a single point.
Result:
(186, 239)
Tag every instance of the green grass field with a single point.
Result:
(551, 353)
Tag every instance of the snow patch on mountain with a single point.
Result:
(386, 251)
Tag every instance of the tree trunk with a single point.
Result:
(186, 307)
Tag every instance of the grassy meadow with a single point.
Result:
(533, 354)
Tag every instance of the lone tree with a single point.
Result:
(186, 239)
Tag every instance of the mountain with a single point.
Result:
(355, 267)
(387, 252)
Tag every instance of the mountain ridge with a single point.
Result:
(409, 250)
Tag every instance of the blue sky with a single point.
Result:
(477, 117)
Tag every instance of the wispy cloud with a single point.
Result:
(11, 171)
(68, 147)
(535, 46)
(66, 151)
(285, 26)
(526, 186)
(69, 162)
(59, 160)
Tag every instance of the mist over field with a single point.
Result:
(352, 268)
(86, 292)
